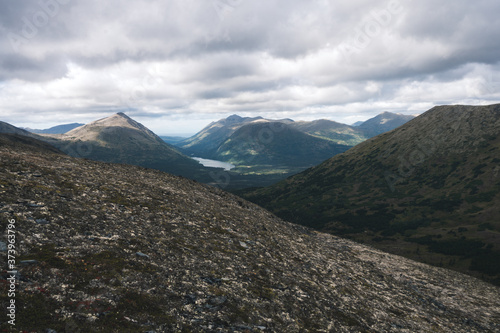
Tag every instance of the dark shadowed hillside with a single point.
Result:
(429, 190)
(115, 248)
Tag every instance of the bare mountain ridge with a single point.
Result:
(428, 190)
(107, 131)
(120, 139)
(117, 248)
(453, 128)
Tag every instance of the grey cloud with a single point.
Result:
(214, 94)
(468, 29)
(228, 70)
(21, 67)
(109, 32)
(258, 85)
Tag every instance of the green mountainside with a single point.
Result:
(120, 139)
(275, 147)
(117, 248)
(428, 190)
(206, 142)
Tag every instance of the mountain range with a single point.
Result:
(333, 131)
(382, 123)
(104, 247)
(428, 190)
(59, 129)
(120, 139)
(206, 142)
(264, 151)
(279, 148)
(266, 146)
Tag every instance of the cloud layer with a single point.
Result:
(168, 63)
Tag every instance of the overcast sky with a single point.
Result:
(176, 65)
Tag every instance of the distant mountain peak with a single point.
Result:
(119, 115)
(120, 139)
(234, 118)
(384, 122)
(238, 119)
(122, 115)
(119, 119)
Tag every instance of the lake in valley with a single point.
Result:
(214, 163)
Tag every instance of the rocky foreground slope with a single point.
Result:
(114, 248)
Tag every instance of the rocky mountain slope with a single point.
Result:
(120, 139)
(115, 248)
(428, 190)
(104, 131)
